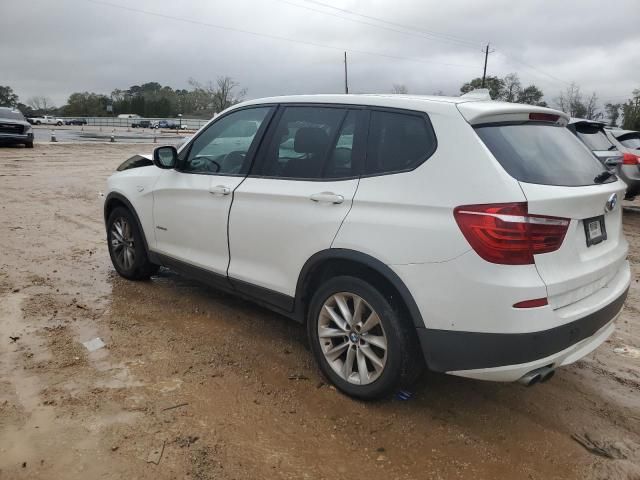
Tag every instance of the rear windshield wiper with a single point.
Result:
(603, 176)
(612, 147)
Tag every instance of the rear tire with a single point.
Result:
(28, 145)
(368, 355)
(126, 246)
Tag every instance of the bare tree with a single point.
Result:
(399, 89)
(224, 95)
(40, 103)
(592, 110)
(511, 89)
(570, 101)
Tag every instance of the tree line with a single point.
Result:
(151, 99)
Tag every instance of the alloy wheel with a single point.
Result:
(122, 243)
(352, 338)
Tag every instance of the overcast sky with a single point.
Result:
(56, 47)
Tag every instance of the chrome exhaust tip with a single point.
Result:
(539, 375)
(547, 376)
(530, 379)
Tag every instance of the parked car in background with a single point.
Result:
(141, 124)
(45, 120)
(75, 121)
(628, 143)
(14, 128)
(345, 213)
(629, 139)
(167, 124)
(592, 133)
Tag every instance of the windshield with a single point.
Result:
(11, 114)
(630, 140)
(594, 137)
(542, 154)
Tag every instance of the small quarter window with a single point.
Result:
(398, 142)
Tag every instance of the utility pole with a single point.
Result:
(486, 57)
(346, 82)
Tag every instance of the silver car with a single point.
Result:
(628, 143)
(593, 134)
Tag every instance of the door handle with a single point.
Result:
(220, 190)
(327, 197)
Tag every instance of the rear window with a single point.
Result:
(630, 140)
(542, 154)
(593, 137)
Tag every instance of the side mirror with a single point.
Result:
(165, 157)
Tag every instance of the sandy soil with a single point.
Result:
(214, 387)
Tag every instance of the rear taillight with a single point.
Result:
(630, 159)
(507, 234)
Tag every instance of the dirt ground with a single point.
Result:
(213, 387)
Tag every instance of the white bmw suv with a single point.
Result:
(478, 238)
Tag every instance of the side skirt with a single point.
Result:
(275, 301)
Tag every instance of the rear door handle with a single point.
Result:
(327, 197)
(220, 190)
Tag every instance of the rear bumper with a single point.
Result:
(507, 356)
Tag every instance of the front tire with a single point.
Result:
(126, 246)
(28, 145)
(358, 339)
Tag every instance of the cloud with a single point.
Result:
(56, 48)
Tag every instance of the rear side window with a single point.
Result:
(593, 137)
(311, 143)
(542, 154)
(398, 142)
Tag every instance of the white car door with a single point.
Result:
(191, 203)
(294, 201)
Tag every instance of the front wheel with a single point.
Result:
(28, 145)
(126, 246)
(358, 339)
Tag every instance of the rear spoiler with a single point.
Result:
(478, 113)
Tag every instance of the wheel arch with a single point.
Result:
(340, 261)
(114, 200)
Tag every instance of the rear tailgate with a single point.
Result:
(577, 269)
(560, 177)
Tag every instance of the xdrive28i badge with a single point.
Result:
(611, 203)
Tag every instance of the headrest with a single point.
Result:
(310, 140)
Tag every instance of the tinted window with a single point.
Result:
(398, 142)
(222, 148)
(543, 154)
(630, 140)
(593, 137)
(302, 141)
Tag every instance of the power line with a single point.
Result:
(412, 31)
(553, 77)
(271, 36)
(443, 36)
